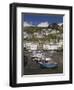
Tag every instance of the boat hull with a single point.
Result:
(48, 65)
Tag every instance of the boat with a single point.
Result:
(48, 65)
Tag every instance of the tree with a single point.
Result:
(53, 26)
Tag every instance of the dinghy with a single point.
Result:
(48, 65)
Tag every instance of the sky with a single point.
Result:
(36, 19)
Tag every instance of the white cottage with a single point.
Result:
(25, 35)
(38, 35)
(53, 31)
(31, 45)
(52, 46)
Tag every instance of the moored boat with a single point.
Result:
(48, 65)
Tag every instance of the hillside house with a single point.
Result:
(25, 35)
(31, 45)
(38, 35)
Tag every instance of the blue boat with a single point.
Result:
(48, 65)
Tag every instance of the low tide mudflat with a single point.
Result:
(34, 68)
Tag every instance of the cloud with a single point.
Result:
(26, 24)
(43, 24)
(60, 24)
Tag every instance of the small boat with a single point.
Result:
(48, 65)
